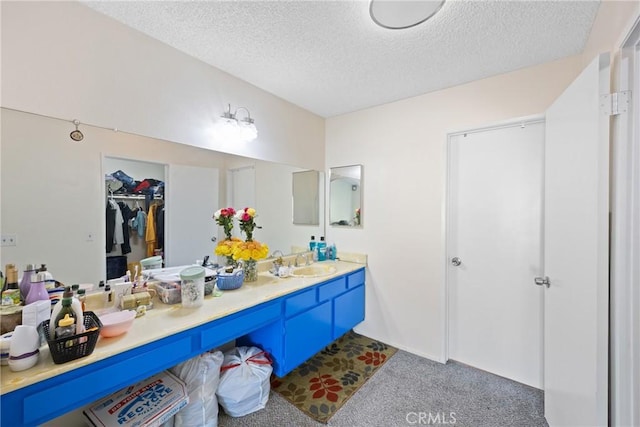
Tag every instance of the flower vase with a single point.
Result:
(251, 270)
(231, 262)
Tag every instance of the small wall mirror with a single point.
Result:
(306, 198)
(345, 207)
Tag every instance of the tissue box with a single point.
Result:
(149, 403)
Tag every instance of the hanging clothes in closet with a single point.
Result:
(114, 220)
(154, 235)
(139, 223)
(127, 214)
(150, 235)
(160, 226)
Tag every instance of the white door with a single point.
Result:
(494, 228)
(192, 198)
(576, 252)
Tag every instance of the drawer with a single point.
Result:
(331, 289)
(225, 330)
(300, 302)
(355, 279)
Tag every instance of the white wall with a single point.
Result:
(62, 59)
(402, 148)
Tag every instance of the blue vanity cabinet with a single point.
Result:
(312, 319)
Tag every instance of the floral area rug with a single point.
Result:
(320, 386)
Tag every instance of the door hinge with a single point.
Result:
(612, 104)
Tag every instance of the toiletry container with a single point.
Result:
(49, 281)
(25, 283)
(24, 349)
(322, 249)
(151, 263)
(333, 252)
(192, 286)
(37, 290)
(66, 327)
(55, 311)
(313, 244)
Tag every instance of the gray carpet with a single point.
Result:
(410, 390)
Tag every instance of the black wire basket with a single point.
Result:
(66, 349)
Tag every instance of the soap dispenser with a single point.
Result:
(37, 290)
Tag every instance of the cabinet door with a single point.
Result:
(306, 334)
(348, 311)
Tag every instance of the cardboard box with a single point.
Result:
(148, 403)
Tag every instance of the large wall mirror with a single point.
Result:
(345, 194)
(57, 213)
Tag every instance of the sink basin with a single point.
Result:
(314, 271)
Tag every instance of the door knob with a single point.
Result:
(456, 261)
(214, 238)
(540, 281)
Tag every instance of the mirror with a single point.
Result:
(306, 198)
(53, 194)
(345, 198)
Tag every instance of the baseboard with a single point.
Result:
(406, 348)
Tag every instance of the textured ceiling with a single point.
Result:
(330, 58)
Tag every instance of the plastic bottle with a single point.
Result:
(108, 296)
(66, 309)
(66, 327)
(25, 283)
(37, 290)
(77, 309)
(332, 252)
(49, 282)
(313, 244)
(322, 249)
(82, 296)
(56, 308)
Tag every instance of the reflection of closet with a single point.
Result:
(134, 223)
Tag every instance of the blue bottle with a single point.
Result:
(322, 249)
(313, 244)
(332, 252)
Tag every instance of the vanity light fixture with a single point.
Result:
(401, 14)
(245, 127)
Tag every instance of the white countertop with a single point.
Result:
(165, 320)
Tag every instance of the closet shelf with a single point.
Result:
(134, 196)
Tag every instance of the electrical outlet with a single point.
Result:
(9, 240)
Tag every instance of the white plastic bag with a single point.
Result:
(201, 374)
(244, 381)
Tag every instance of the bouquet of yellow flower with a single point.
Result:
(225, 248)
(251, 250)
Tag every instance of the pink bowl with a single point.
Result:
(114, 324)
